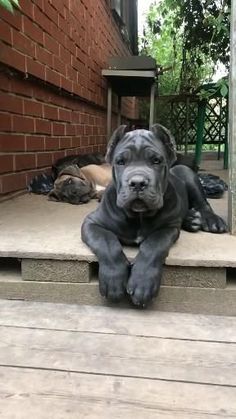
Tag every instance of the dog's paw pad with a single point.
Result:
(192, 221)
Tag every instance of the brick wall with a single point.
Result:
(52, 95)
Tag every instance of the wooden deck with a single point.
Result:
(69, 361)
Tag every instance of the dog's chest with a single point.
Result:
(132, 240)
(135, 232)
(139, 237)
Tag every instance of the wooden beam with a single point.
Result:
(232, 125)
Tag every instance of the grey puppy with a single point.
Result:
(146, 204)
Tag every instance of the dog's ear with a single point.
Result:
(167, 139)
(114, 140)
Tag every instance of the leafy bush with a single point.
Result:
(9, 4)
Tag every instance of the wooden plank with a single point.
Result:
(168, 359)
(48, 394)
(129, 73)
(118, 321)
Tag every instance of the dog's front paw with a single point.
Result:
(192, 221)
(213, 223)
(112, 282)
(143, 289)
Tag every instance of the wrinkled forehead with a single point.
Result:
(138, 140)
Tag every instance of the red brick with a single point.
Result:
(71, 152)
(41, 19)
(28, 8)
(6, 163)
(5, 82)
(5, 32)
(32, 30)
(65, 142)
(44, 56)
(70, 129)
(76, 142)
(13, 19)
(71, 73)
(21, 87)
(11, 57)
(43, 159)
(42, 126)
(65, 84)
(41, 93)
(52, 77)
(11, 142)
(79, 129)
(35, 68)
(11, 103)
(58, 129)
(13, 182)
(58, 65)
(34, 143)
(23, 44)
(59, 5)
(58, 155)
(24, 161)
(52, 143)
(58, 34)
(65, 55)
(5, 122)
(50, 112)
(70, 45)
(65, 115)
(63, 23)
(33, 108)
(23, 124)
(51, 13)
(40, 4)
(51, 44)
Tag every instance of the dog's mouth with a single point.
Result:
(138, 206)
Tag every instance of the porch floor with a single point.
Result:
(33, 227)
(69, 361)
(42, 258)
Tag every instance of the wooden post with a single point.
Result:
(186, 126)
(232, 125)
(119, 111)
(109, 111)
(152, 104)
(200, 130)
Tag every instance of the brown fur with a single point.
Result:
(78, 185)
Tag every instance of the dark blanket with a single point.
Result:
(213, 185)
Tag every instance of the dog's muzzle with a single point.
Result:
(138, 183)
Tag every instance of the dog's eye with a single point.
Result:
(156, 160)
(120, 161)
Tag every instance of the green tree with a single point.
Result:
(9, 4)
(189, 37)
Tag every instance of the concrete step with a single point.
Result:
(42, 258)
(184, 289)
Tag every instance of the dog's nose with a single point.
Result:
(138, 183)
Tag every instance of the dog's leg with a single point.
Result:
(210, 221)
(114, 267)
(145, 279)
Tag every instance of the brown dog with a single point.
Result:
(76, 185)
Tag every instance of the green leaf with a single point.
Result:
(7, 5)
(224, 90)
